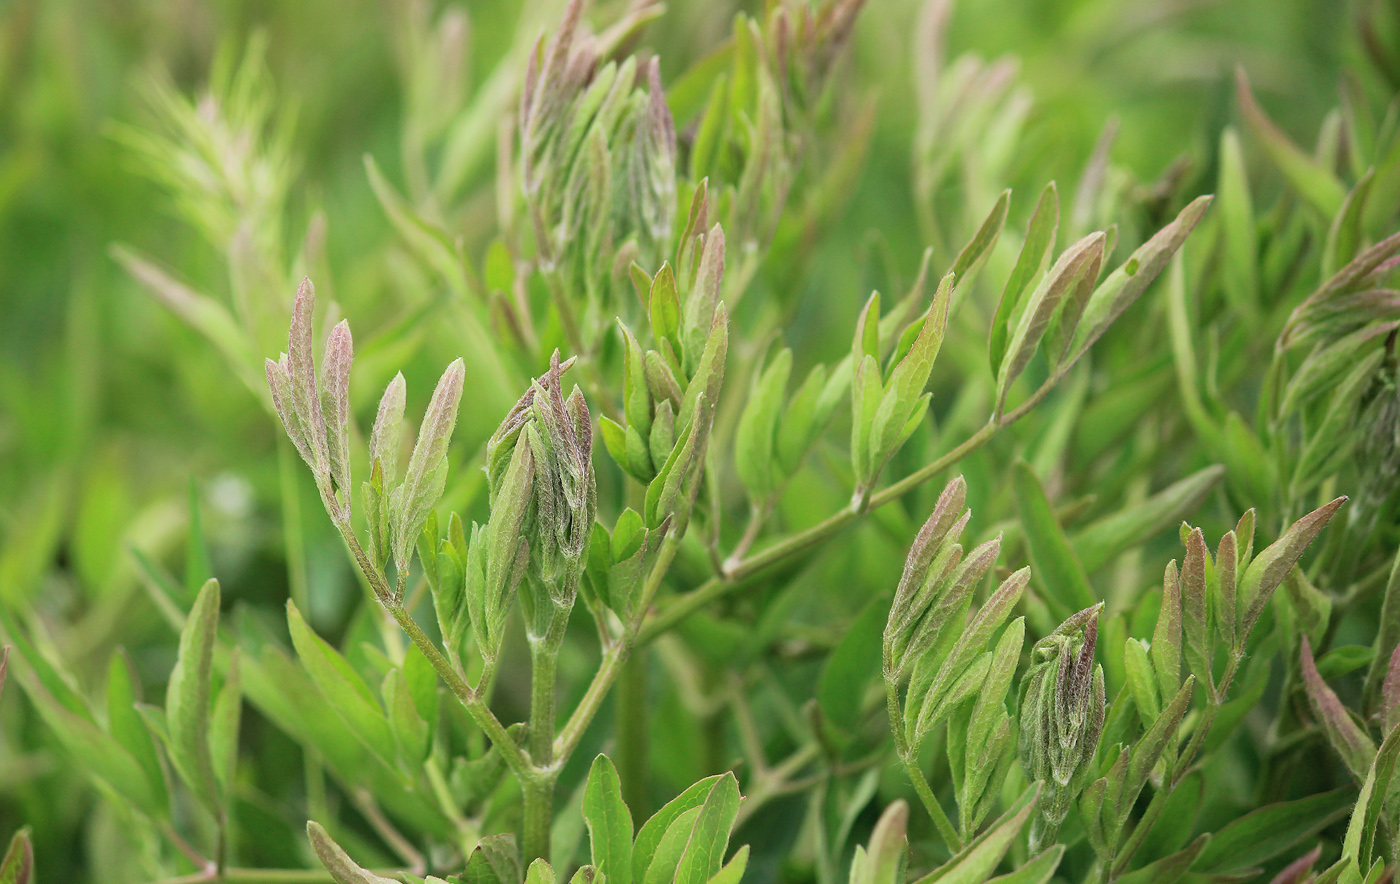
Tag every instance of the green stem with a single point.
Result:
(615, 655)
(911, 765)
(1177, 771)
(485, 719)
(539, 789)
(681, 607)
(288, 470)
(538, 817)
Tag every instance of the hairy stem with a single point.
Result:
(485, 719)
(539, 788)
(615, 655)
(910, 760)
(681, 607)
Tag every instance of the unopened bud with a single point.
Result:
(1062, 715)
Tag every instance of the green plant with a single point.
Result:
(493, 651)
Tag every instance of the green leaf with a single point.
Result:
(541, 872)
(1053, 560)
(1346, 735)
(342, 687)
(1123, 286)
(852, 666)
(1310, 178)
(496, 860)
(704, 853)
(18, 865)
(649, 837)
(665, 306)
(1099, 542)
(1035, 254)
(970, 259)
(342, 868)
(125, 723)
(884, 861)
(667, 857)
(1361, 831)
(1168, 869)
(979, 859)
(807, 415)
(1069, 280)
(1141, 681)
(1265, 833)
(431, 242)
(188, 696)
(1037, 871)
(1268, 569)
(224, 721)
(201, 312)
(733, 871)
(425, 477)
(609, 822)
(1240, 270)
(867, 337)
(754, 439)
(901, 396)
(1345, 233)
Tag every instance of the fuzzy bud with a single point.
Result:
(540, 467)
(1062, 715)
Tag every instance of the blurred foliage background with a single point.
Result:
(119, 424)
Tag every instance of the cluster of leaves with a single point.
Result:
(628, 253)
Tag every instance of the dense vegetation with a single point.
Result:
(748, 463)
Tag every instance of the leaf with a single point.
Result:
(341, 687)
(852, 666)
(1037, 871)
(652, 831)
(754, 456)
(201, 312)
(1097, 543)
(1077, 268)
(125, 723)
(1344, 234)
(1268, 569)
(1313, 181)
(1195, 607)
(1240, 270)
(665, 307)
(426, 473)
(188, 696)
(704, 853)
(429, 241)
(18, 865)
(883, 862)
(496, 860)
(970, 259)
(224, 720)
(806, 416)
(1053, 560)
(1035, 253)
(1263, 834)
(977, 861)
(1347, 737)
(609, 822)
(1361, 832)
(733, 871)
(1123, 286)
(1168, 869)
(342, 868)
